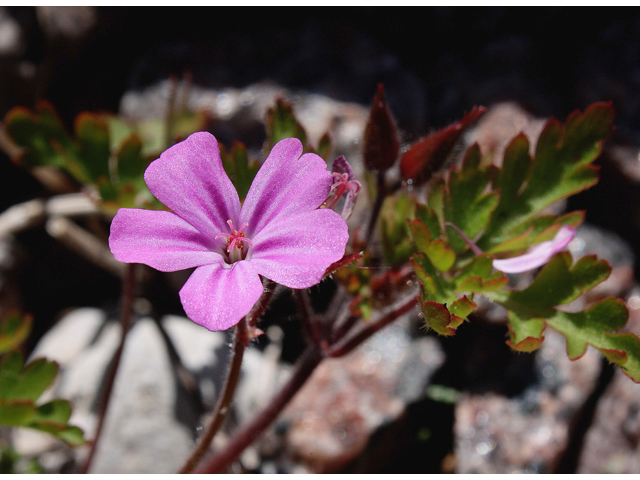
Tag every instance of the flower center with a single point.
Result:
(343, 183)
(236, 242)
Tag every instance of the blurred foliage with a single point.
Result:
(22, 386)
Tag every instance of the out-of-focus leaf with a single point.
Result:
(92, 132)
(27, 383)
(14, 329)
(131, 162)
(16, 413)
(43, 139)
(426, 156)
(381, 143)
(239, 168)
(325, 146)
(396, 242)
(281, 123)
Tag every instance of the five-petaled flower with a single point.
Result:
(278, 232)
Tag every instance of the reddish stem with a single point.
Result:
(348, 345)
(128, 291)
(222, 407)
(252, 431)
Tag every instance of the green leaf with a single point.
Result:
(92, 132)
(556, 284)
(239, 168)
(397, 245)
(595, 327)
(525, 335)
(43, 139)
(561, 167)
(466, 204)
(27, 383)
(54, 411)
(430, 219)
(462, 308)
(131, 162)
(434, 286)
(281, 123)
(16, 413)
(438, 318)
(14, 329)
(440, 255)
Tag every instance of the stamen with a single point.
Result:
(236, 238)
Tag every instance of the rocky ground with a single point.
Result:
(404, 402)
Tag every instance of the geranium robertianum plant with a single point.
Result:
(457, 230)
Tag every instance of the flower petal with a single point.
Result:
(295, 251)
(286, 184)
(159, 239)
(218, 296)
(539, 255)
(190, 180)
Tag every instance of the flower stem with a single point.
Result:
(128, 292)
(310, 359)
(348, 345)
(240, 341)
(222, 407)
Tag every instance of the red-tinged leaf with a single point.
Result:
(480, 285)
(614, 356)
(92, 131)
(525, 335)
(462, 307)
(381, 143)
(528, 345)
(428, 155)
(344, 261)
(438, 318)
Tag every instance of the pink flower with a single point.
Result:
(278, 232)
(538, 255)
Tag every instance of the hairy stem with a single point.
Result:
(128, 292)
(348, 345)
(310, 359)
(240, 341)
(222, 407)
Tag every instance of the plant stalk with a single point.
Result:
(222, 407)
(217, 463)
(128, 292)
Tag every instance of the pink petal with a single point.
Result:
(295, 251)
(159, 239)
(539, 255)
(190, 180)
(286, 184)
(218, 296)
